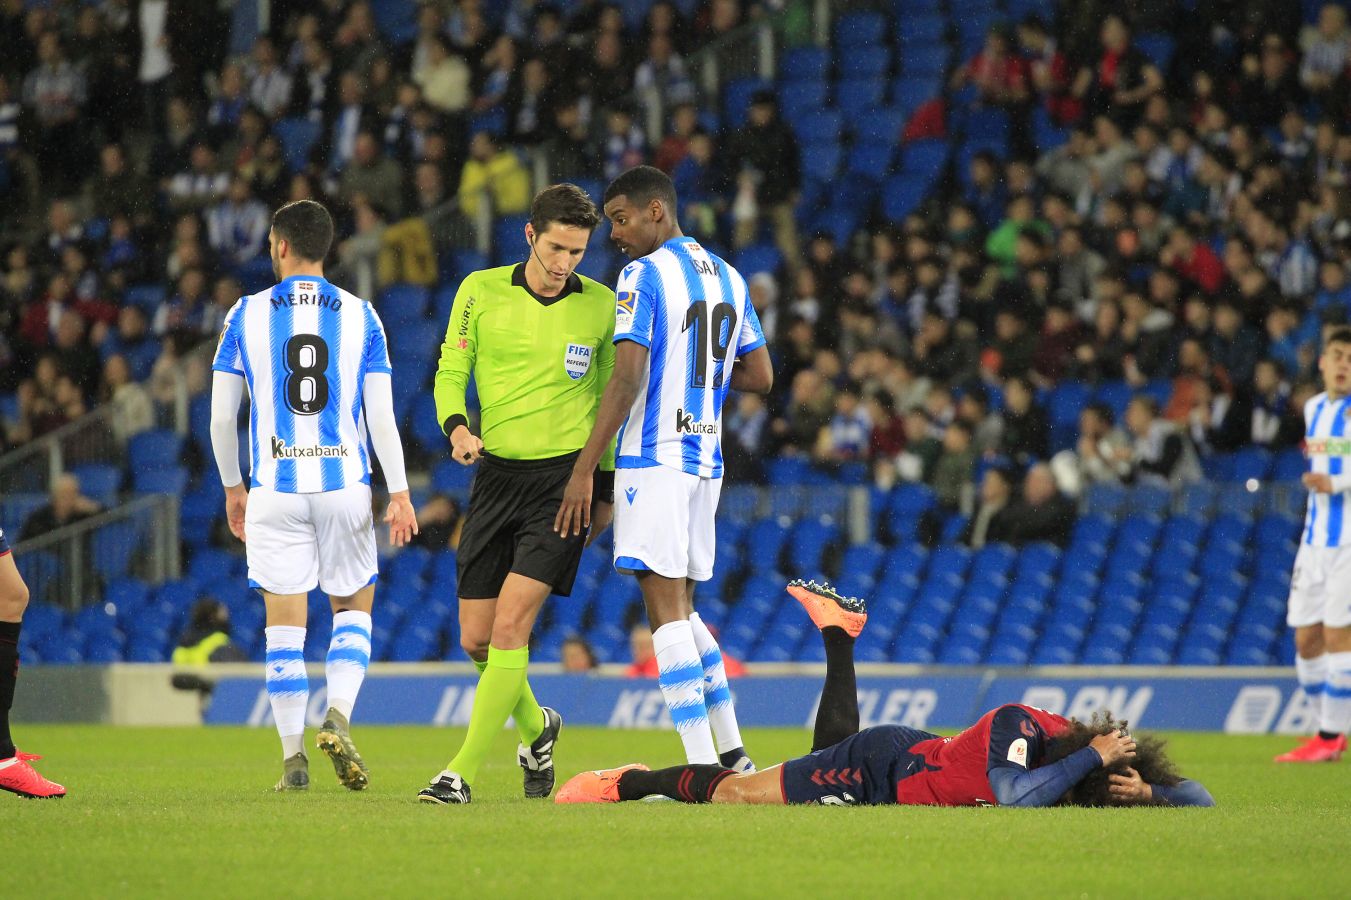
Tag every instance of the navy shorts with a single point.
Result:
(862, 769)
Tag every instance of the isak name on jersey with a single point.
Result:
(685, 424)
(281, 451)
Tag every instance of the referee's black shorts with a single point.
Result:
(510, 527)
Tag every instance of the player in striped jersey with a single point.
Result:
(1320, 587)
(685, 333)
(317, 367)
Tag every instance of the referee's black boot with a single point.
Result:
(537, 760)
(445, 789)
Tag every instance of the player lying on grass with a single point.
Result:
(1014, 756)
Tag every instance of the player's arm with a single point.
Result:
(754, 370)
(458, 353)
(377, 387)
(1015, 739)
(227, 392)
(1129, 787)
(602, 505)
(625, 382)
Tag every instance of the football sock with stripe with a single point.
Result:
(288, 686)
(837, 713)
(717, 695)
(528, 715)
(9, 675)
(1312, 675)
(1336, 715)
(681, 678)
(688, 784)
(349, 655)
(499, 688)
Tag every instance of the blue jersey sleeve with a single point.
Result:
(1016, 740)
(377, 348)
(1045, 785)
(1185, 793)
(230, 348)
(635, 301)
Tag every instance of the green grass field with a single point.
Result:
(190, 813)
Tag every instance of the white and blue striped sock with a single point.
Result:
(349, 653)
(717, 695)
(288, 687)
(1336, 717)
(1312, 675)
(681, 676)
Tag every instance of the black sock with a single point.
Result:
(732, 757)
(9, 673)
(837, 716)
(1329, 735)
(688, 784)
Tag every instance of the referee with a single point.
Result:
(537, 338)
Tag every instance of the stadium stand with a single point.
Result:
(989, 240)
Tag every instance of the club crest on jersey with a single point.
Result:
(577, 361)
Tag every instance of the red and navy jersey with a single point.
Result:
(955, 770)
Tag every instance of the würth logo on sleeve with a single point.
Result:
(685, 424)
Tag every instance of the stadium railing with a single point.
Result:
(71, 566)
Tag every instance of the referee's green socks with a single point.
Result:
(499, 690)
(527, 714)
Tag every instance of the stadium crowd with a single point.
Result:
(1177, 246)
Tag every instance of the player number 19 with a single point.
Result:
(719, 336)
(306, 383)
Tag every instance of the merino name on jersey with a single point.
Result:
(692, 312)
(305, 347)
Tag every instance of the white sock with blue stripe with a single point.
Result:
(717, 695)
(288, 687)
(1312, 675)
(681, 676)
(349, 654)
(1336, 715)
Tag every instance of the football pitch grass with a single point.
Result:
(160, 812)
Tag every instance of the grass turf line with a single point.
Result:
(190, 812)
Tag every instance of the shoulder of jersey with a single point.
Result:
(1312, 403)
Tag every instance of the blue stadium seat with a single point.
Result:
(297, 137)
(1289, 465)
(1251, 462)
(921, 29)
(450, 477)
(859, 29)
(100, 481)
(927, 158)
(817, 125)
(880, 125)
(927, 60)
(736, 99)
(871, 160)
(758, 258)
(805, 64)
(508, 233)
(161, 481)
(1159, 47)
(864, 62)
(821, 159)
(155, 450)
(855, 96)
(903, 195)
(798, 98)
(403, 303)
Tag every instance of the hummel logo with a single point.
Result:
(630, 492)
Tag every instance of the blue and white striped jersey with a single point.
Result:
(304, 347)
(693, 313)
(1327, 444)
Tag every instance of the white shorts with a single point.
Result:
(1320, 588)
(295, 541)
(664, 522)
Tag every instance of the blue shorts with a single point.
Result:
(862, 769)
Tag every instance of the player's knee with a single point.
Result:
(476, 648)
(1309, 642)
(14, 601)
(732, 790)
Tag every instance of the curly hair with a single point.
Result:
(1150, 761)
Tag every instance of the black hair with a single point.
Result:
(307, 227)
(566, 204)
(1102, 411)
(641, 185)
(1339, 336)
(1151, 762)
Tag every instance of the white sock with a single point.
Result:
(1312, 674)
(1337, 694)
(717, 696)
(349, 653)
(288, 687)
(681, 677)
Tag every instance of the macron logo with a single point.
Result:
(685, 424)
(630, 493)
